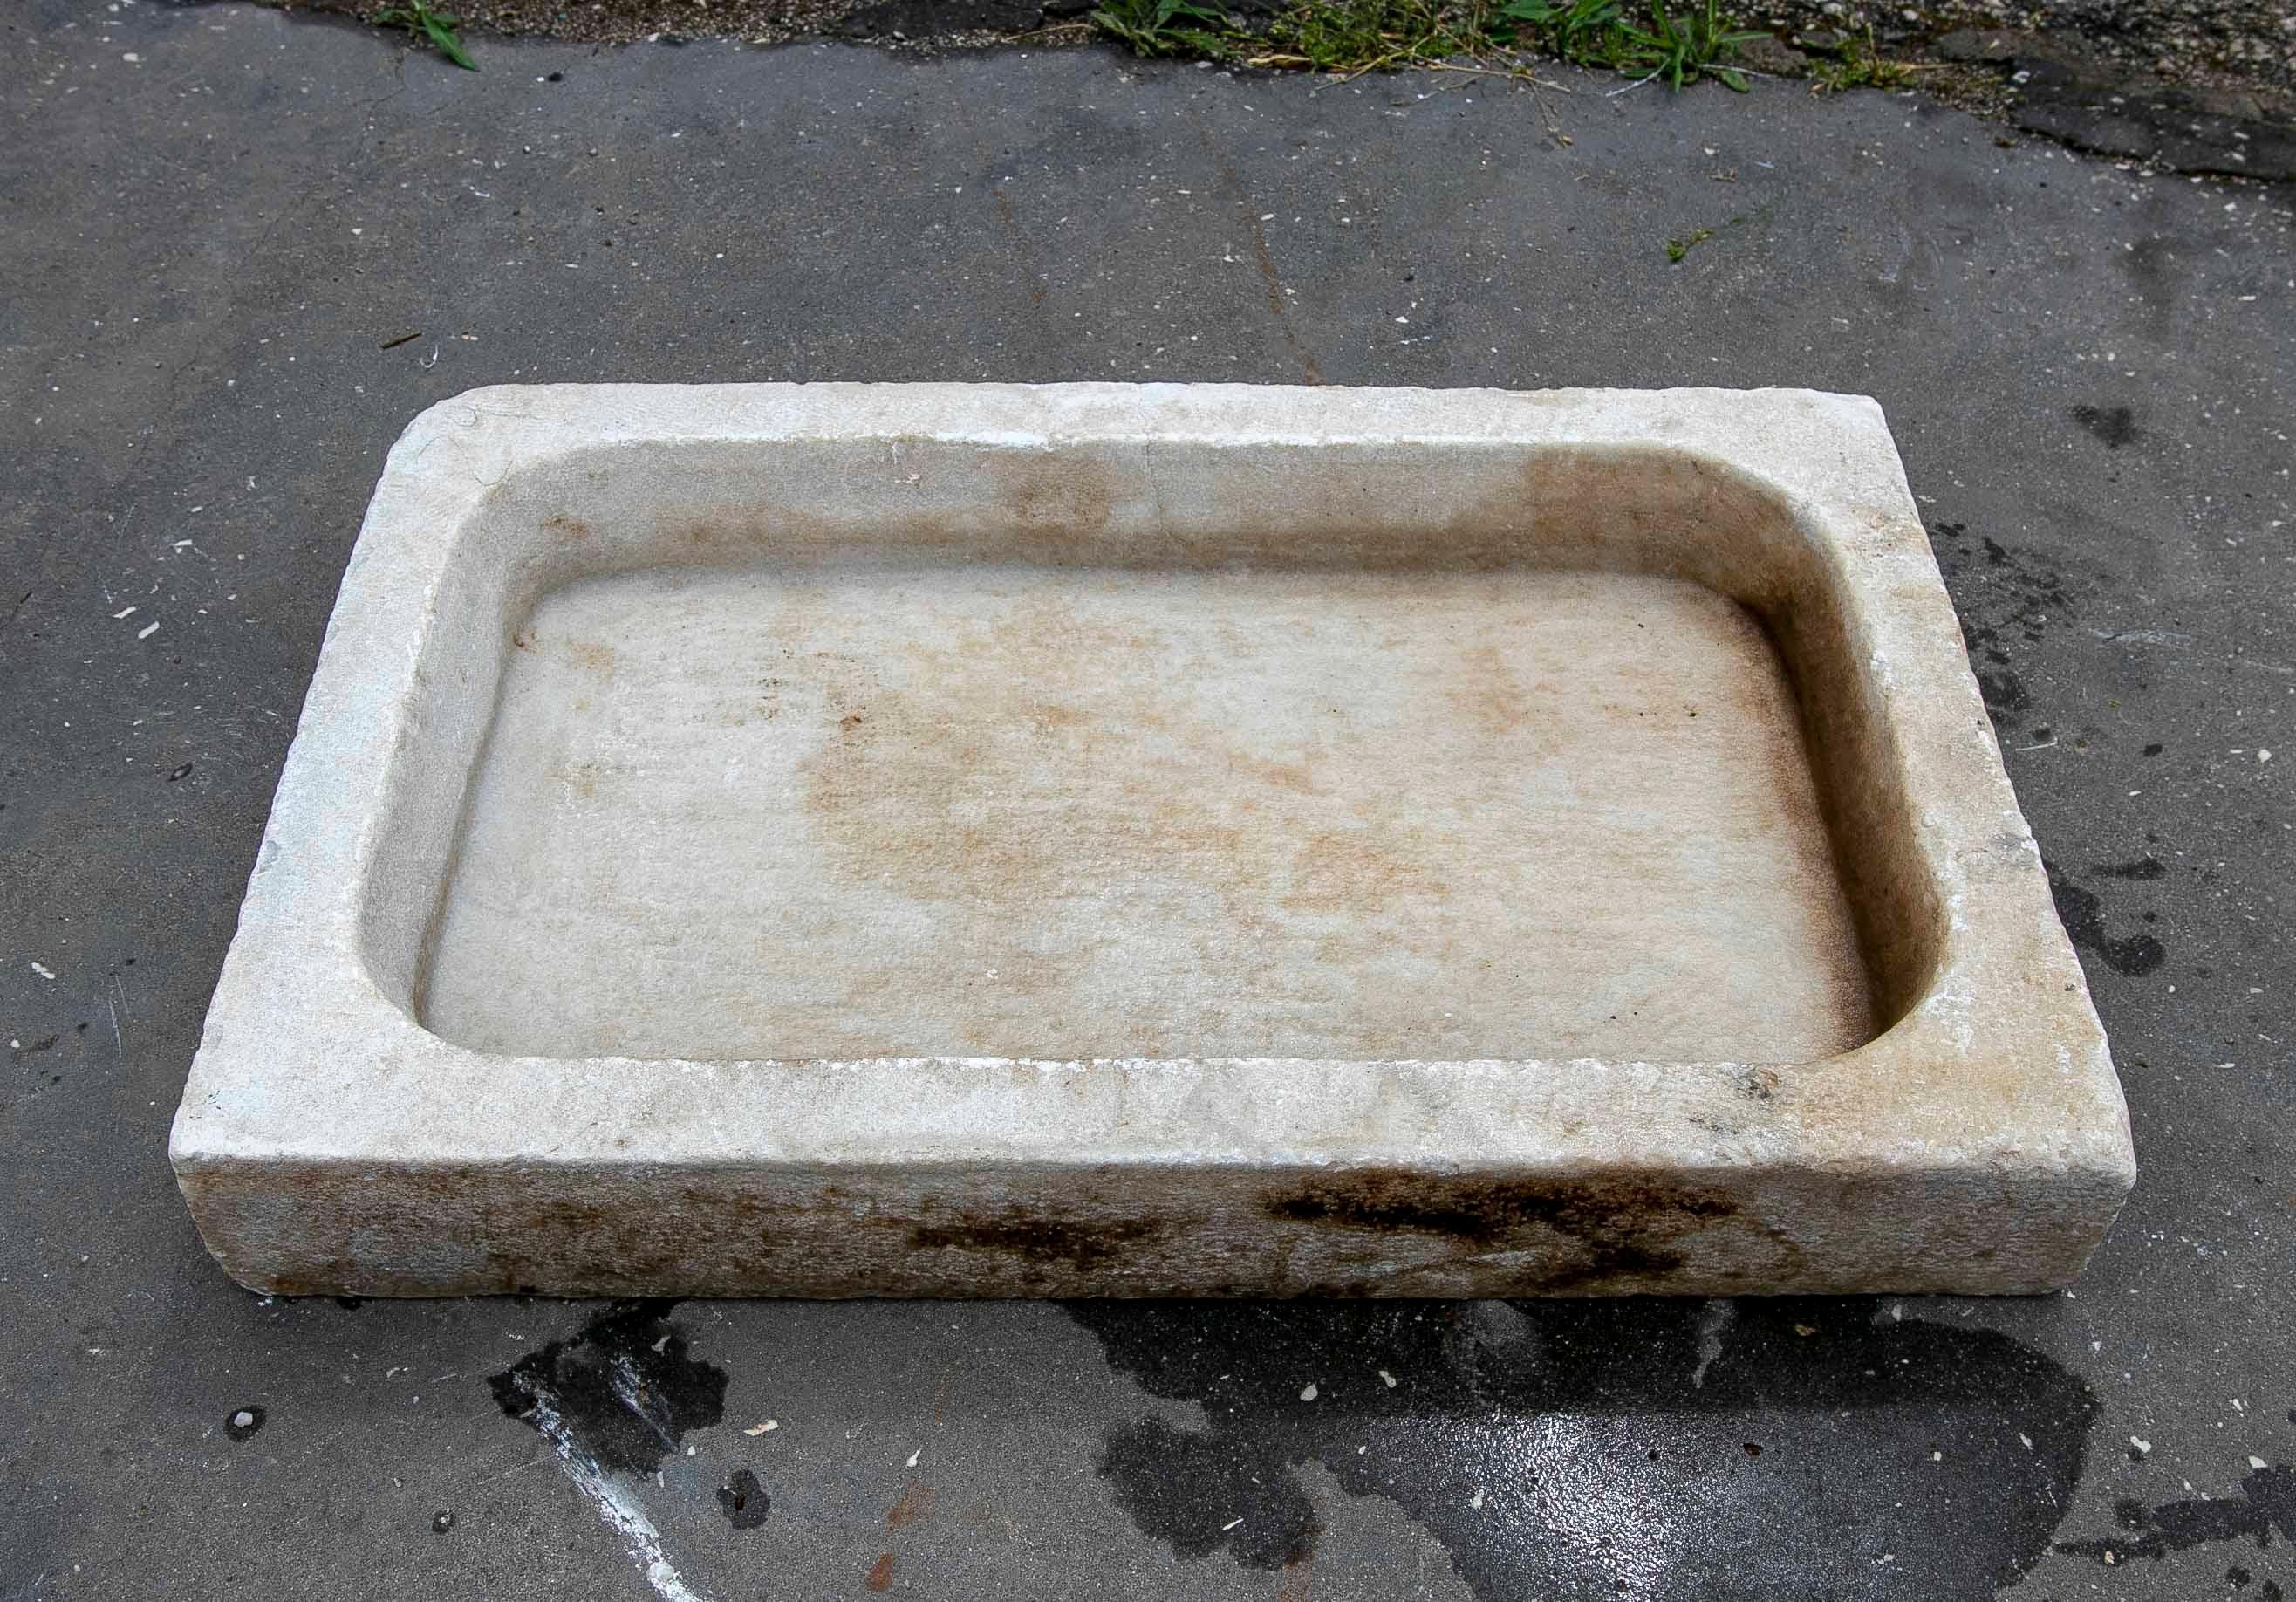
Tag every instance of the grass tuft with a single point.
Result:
(1682, 50)
(1582, 31)
(435, 29)
(1351, 36)
(1857, 63)
(1166, 27)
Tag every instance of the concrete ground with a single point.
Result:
(220, 223)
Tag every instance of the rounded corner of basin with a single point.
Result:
(400, 1013)
(1654, 469)
(517, 428)
(455, 413)
(1854, 420)
(1819, 456)
(1856, 404)
(410, 1024)
(1859, 404)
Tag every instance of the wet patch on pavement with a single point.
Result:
(1674, 1450)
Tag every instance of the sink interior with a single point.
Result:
(903, 803)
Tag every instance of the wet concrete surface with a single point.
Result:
(223, 221)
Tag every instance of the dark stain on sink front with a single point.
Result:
(1575, 1236)
(1482, 1212)
(1603, 1233)
(1039, 1239)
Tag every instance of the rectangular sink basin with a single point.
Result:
(927, 808)
(954, 840)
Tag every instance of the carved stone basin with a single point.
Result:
(985, 840)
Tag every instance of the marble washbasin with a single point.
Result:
(952, 840)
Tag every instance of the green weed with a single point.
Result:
(1677, 248)
(1856, 64)
(1350, 37)
(1585, 31)
(1166, 28)
(1358, 36)
(434, 27)
(1682, 50)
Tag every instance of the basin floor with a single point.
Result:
(925, 809)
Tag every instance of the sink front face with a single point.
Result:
(904, 809)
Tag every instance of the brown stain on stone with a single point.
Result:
(580, 777)
(1618, 1228)
(1486, 692)
(1067, 498)
(880, 1577)
(567, 525)
(1342, 871)
(1297, 777)
(1759, 1084)
(906, 794)
(598, 658)
(1054, 714)
(1023, 505)
(1037, 1239)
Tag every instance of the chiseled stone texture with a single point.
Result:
(951, 839)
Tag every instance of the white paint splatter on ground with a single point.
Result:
(615, 1503)
(1711, 1323)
